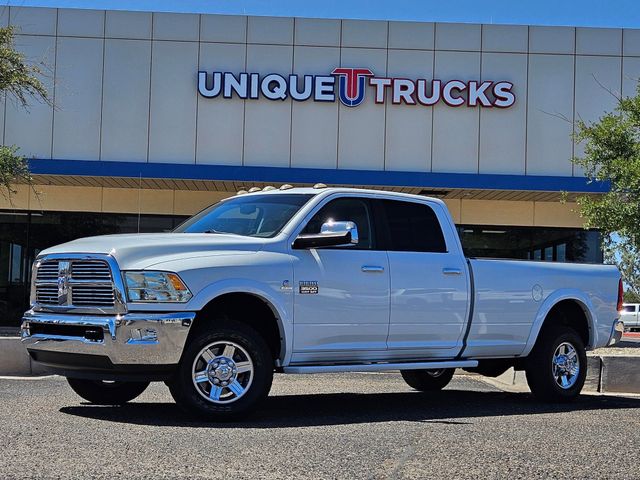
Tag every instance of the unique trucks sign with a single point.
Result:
(350, 86)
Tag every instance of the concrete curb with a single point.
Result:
(605, 374)
(15, 361)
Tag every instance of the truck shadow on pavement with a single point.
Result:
(287, 411)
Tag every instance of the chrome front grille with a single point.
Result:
(84, 295)
(72, 283)
(91, 270)
(47, 294)
(48, 271)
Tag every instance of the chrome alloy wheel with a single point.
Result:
(565, 365)
(222, 372)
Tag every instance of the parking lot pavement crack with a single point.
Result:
(398, 465)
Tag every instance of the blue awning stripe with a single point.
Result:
(482, 181)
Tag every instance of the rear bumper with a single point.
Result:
(616, 332)
(136, 343)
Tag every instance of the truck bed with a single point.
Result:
(528, 289)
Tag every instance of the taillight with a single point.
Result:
(620, 295)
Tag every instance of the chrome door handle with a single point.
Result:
(452, 271)
(372, 269)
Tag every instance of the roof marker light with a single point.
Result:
(319, 185)
(254, 189)
(241, 192)
(268, 188)
(286, 186)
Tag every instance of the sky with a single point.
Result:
(590, 13)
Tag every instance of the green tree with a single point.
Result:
(612, 154)
(631, 297)
(20, 82)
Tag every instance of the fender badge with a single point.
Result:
(537, 292)
(286, 285)
(308, 287)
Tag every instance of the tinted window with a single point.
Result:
(412, 227)
(354, 210)
(531, 243)
(629, 308)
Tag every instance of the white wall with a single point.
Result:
(124, 85)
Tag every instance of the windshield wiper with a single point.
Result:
(214, 231)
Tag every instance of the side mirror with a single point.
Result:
(332, 234)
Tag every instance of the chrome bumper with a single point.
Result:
(128, 339)
(616, 332)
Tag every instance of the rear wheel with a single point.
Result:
(557, 367)
(102, 392)
(224, 372)
(428, 380)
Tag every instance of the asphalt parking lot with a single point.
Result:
(322, 426)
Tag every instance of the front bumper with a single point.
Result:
(118, 343)
(616, 332)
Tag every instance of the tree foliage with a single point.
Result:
(13, 168)
(631, 297)
(612, 154)
(20, 81)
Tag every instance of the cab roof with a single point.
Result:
(324, 191)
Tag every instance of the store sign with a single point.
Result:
(350, 86)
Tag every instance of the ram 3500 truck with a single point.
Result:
(306, 280)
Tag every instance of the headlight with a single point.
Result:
(156, 287)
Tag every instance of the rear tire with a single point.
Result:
(100, 392)
(556, 368)
(428, 380)
(224, 372)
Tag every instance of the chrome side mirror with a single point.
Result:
(332, 234)
(342, 228)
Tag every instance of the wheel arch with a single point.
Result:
(576, 307)
(252, 307)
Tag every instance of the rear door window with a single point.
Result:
(411, 227)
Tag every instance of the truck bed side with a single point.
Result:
(513, 298)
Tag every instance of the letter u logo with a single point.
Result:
(351, 85)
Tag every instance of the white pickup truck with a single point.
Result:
(630, 316)
(308, 280)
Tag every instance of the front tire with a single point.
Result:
(100, 392)
(224, 372)
(557, 367)
(428, 380)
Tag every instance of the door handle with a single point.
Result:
(372, 269)
(452, 271)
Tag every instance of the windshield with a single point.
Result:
(247, 215)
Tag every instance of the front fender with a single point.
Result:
(553, 299)
(278, 298)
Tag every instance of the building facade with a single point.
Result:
(157, 115)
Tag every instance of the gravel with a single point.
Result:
(629, 346)
(323, 426)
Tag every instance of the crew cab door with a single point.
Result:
(341, 294)
(429, 280)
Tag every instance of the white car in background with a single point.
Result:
(629, 316)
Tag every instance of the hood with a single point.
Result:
(143, 250)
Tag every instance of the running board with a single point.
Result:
(380, 367)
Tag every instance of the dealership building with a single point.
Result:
(157, 115)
